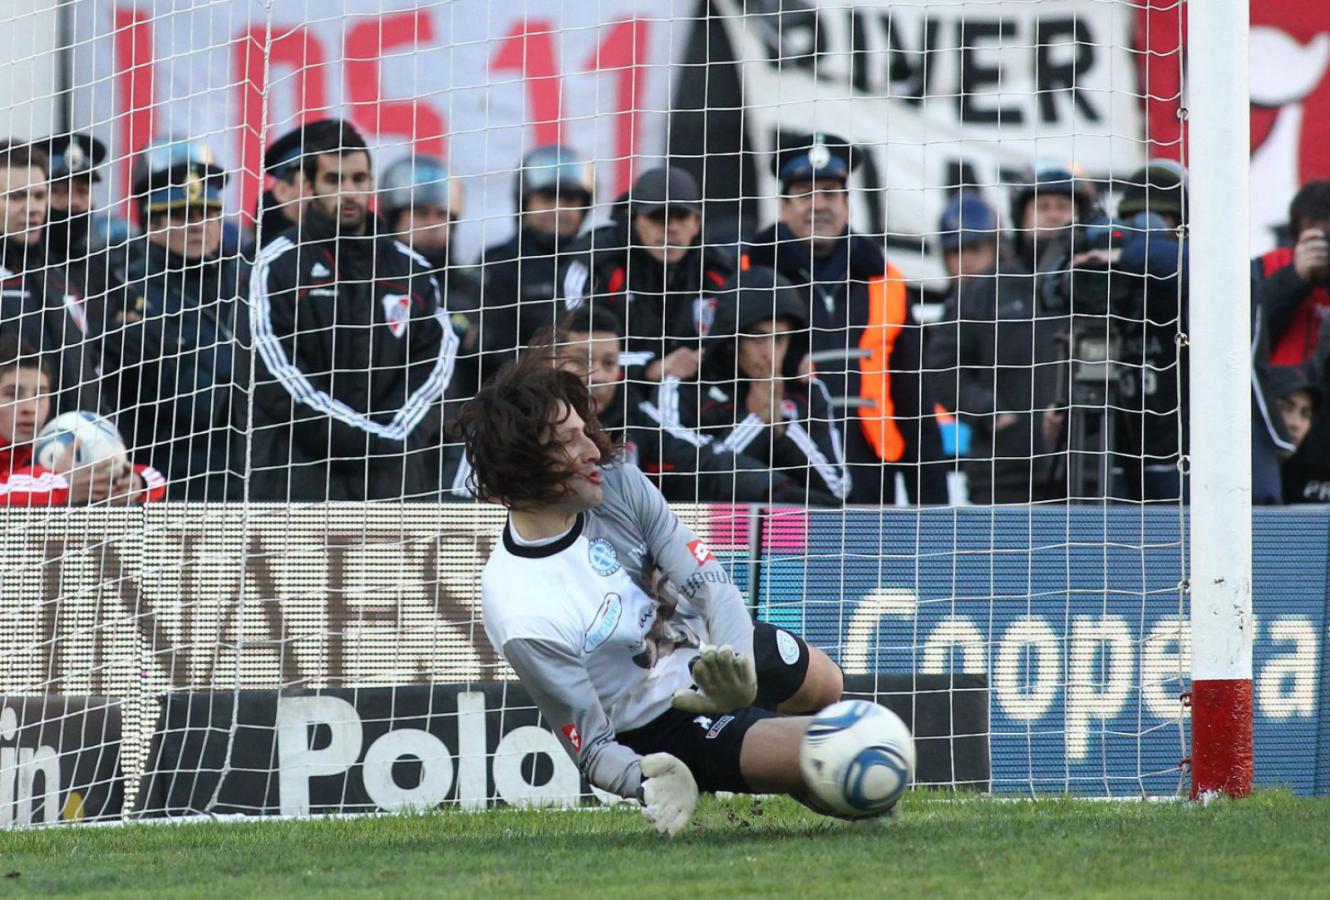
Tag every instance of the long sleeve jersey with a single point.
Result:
(598, 644)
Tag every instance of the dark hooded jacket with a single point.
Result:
(1304, 476)
(521, 293)
(805, 445)
(663, 306)
(993, 356)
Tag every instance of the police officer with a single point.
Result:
(992, 356)
(968, 236)
(864, 344)
(553, 193)
(170, 352)
(75, 159)
(420, 203)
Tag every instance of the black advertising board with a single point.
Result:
(59, 759)
(346, 750)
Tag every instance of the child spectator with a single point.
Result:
(25, 405)
(1298, 401)
(752, 401)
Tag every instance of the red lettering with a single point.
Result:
(296, 49)
(366, 42)
(133, 81)
(623, 51)
(529, 51)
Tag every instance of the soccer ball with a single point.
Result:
(857, 759)
(97, 439)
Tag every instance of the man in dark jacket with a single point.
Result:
(993, 357)
(553, 192)
(865, 345)
(353, 352)
(751, 399)
(36, 303)
(170, 352)
(651, 270)
(420, 203)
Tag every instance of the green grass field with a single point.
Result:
(1270, 845)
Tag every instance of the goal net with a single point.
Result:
(960, 473)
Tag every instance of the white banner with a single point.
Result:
(475, 81)
(938, 92)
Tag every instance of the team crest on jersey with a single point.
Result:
(603, 625)
(397, 308)
(603, 557)
(704, 315)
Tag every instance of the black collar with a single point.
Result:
(542, 550)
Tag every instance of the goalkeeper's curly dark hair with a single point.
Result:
(506, 428)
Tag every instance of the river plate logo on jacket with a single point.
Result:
(603, 557)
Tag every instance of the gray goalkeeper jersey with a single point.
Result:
(601, 622)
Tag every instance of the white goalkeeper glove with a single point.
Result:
(726, 681)
(669, 793)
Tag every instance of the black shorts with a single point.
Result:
(710, 745)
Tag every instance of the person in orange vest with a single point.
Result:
(864, 343)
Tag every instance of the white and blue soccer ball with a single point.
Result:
(97, 439)
(857, 759)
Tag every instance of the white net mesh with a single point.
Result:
(967, 416)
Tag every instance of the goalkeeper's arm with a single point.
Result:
(695, 573)
(562, 689)
(558, 682)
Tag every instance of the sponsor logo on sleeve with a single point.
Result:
(603, 625)
(787, 646)
(575, 739)
(700, 552)
(603, 557)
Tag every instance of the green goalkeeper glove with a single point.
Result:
(669, 793)
(726, 681)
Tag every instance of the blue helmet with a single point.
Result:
(554, 169)
(1050, 178)
(967, 220)
(419, 181)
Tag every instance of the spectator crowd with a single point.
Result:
(322, 357)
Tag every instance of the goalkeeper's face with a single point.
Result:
(574, 451)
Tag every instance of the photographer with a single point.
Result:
(993, 357)
(1291, 297)
(1124, 286)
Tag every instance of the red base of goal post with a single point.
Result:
(1219, 334)
(1221, 738)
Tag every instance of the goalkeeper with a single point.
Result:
(626, 631)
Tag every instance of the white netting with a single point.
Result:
(303, 588)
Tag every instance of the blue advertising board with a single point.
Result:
(1079, 619)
